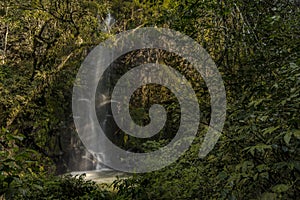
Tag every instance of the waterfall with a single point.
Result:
(88, 128)
(108, 23)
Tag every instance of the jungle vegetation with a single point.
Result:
(255, 45)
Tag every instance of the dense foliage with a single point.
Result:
(255, 45)
(66, 187)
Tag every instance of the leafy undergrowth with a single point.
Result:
(66, 187)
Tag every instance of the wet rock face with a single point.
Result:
(74, 157)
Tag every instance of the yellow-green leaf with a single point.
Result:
(287, 137)
(296, 133)
(270, 129)
(280, 188)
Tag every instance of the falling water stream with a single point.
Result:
(97, 170)
(92, 164)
